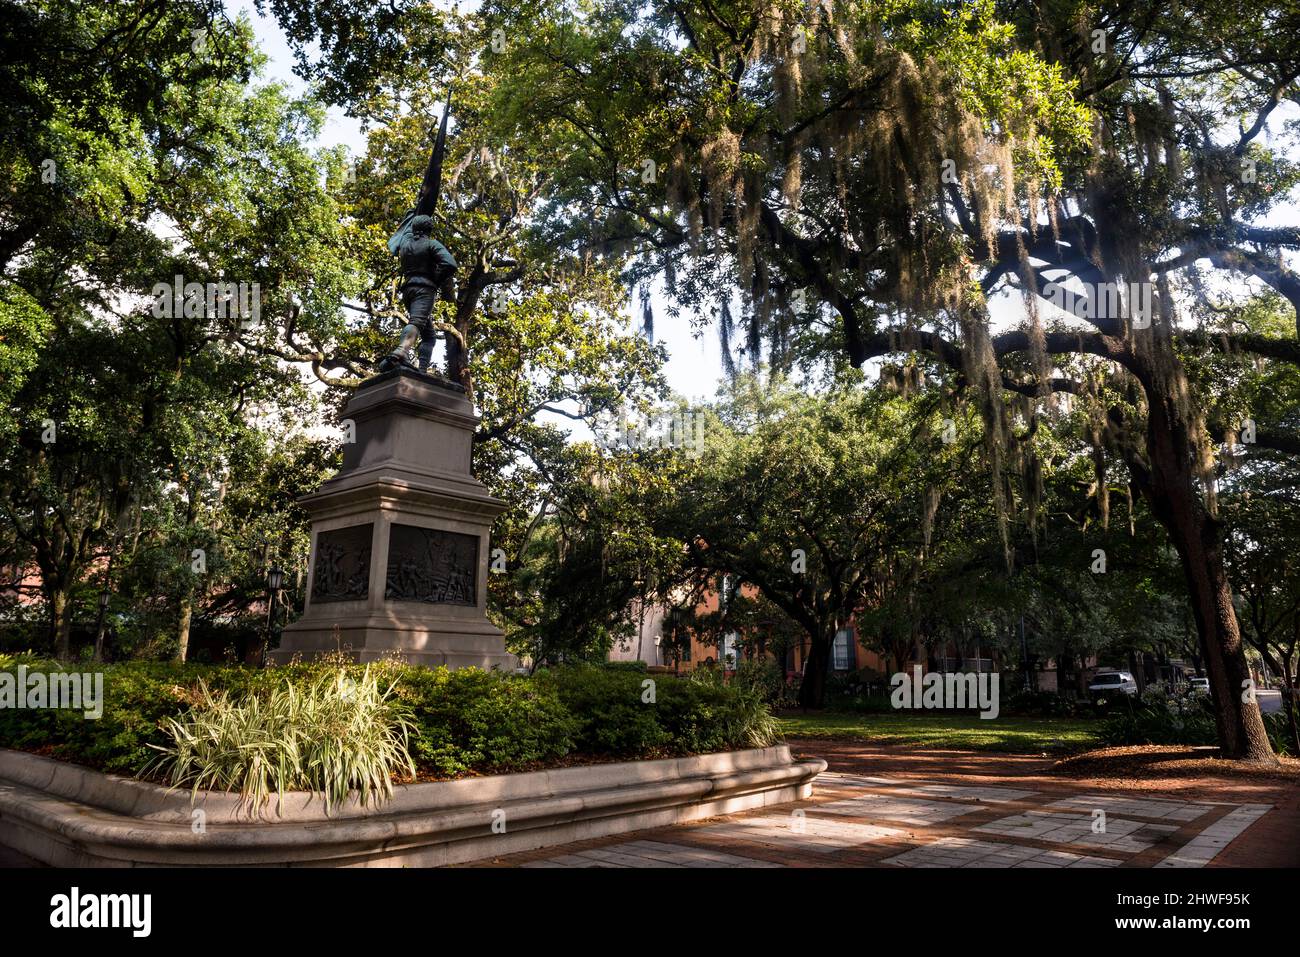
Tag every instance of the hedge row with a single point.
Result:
(467, 721)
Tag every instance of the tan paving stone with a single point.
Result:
(882, 807)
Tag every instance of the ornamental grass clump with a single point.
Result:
(331, 734)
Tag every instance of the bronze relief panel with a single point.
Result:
(342, 568)
(431, 565)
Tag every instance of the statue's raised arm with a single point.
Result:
(428, 267)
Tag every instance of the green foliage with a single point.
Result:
(1159, 717)
(854, 691)
(686, 716)
(137, 699)
(1046, 704)
(24, 329)
(331, 735)
(1183, 717)
(127, 125)
(1279, 734)
(826, 504)
(589, 554)
(818, 172)
(764, 678)
(483, 721)
(607, 703)
(452, 722)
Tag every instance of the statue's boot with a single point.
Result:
(404, 354)
(394, 360)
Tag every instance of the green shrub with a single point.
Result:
(762, 677)
(1279, 733)
(863, 691)
(481, 720)
(465, 721)
(638, 667)
(1159, 717)
(618, 713)
(11, 660)
(1044, 704)
(136, 700)
(701, 717)
(610, 715)
(332, 735)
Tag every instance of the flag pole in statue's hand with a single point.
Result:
(432, 184)
(424, 254)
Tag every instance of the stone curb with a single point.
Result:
(65, 815)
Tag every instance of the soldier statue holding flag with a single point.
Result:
(428, 267)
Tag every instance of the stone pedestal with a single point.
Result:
(399, 537)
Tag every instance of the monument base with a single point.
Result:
(368, 638)
(399, 544)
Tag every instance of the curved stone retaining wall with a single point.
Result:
(69, 816)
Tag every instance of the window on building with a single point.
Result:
(842, 650)
(728, 588)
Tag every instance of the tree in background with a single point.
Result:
(903, 162)
(129, 402)
(1261, 503)
(808, 499)
(593, 556)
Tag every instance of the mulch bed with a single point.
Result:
(1139, 764)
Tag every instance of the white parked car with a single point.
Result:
(1200, 686)
(1112, 682)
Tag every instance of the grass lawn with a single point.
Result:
(961, 732)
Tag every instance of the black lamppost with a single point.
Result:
(639, 584)
(274, 581)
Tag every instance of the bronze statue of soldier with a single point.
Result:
(428, 268)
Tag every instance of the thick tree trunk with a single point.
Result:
(1065, 681)
(183, 630)
(61, 624)
(812, 692)
(1198, 536)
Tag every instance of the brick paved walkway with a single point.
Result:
(891, 807)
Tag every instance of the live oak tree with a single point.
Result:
(810, 500)
(878, 172)
(869, 176)
(594, 555)
(1259, 500)
(85, 89)
(86, 85)
(163, 162)
(872, 173)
